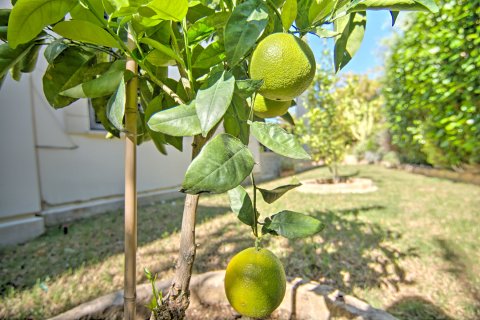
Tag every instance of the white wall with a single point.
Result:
(95, 169)
(78, 164)
(19, 191)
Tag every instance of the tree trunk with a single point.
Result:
(176, 301)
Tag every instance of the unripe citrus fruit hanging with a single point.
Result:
(255, 282)
(285, 63)
(266, 108)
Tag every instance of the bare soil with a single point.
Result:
(341, 185)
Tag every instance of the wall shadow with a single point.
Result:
(416, 308)
(350, 253)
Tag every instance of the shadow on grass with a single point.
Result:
(351, 253)
(417, 308)
(215, 248)
(460, 266)
(87, 242)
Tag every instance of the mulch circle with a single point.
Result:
(328, 186)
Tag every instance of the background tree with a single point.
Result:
(362, 102)
(432, 87)
(324, 127)
(341, 112)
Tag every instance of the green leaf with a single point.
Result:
(273, 195)
(241, 204)
(152, 106)
(245, 88)
(142, 131)
(325, 33)
(162, 48)
(158, 138)
(79, 12)
(431, 5)
(54, 49)
(85, 31)
(320, 9)
(126, 12)
(288, 117)
(292, 225)
(278, 140)
(29, 17)
(395, 5)
(198, 11)
(100, 107)
(245, 26)
(176, 142)
(112, 5)
(10, 57)
(116, 106)
(29, 61)
(165, 10)
(67, 70)
(235, 119)
(352, 29)
(212, 55)
(160, 59)
(15, 72)
(213, 99)
(223, 164)
(104, 85)
(303, 6)
(4, 16)
(203, 28)
(289, 13)
(178, 121)
(394, 15)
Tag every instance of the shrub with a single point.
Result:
(433, 87)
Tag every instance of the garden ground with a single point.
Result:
(410, 248)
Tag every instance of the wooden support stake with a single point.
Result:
(130, 191)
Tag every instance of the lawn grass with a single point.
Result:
(410, 248)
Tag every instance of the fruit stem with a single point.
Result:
(250, 115)
(257, 243)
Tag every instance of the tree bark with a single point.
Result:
(177, 300)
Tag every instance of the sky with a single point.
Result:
(379, 26)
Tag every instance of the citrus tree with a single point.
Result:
(117, 53)
(324, 127)
(362, 97)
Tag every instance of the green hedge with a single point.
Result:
(432, 86)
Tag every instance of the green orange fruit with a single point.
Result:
(255, 282)
(266, 108)
(285, 63)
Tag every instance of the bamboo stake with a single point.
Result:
(130, 191)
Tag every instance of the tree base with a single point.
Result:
(303, 300)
